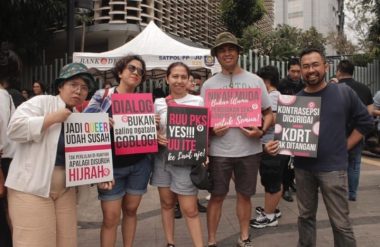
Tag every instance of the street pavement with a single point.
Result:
(365, 215)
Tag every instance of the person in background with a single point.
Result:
(345, 72)
(173, 181)
(38, 88)
(131, 172)
(333, 80)
(271, 167)
(41, 208)
(234, 150)
(25, 93)
(7, 150)
(328, 171)
(107, 84)
(290, 85)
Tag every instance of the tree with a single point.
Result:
(28, 25)
(365, 23)
(283, 42)
(239, 14)
(340, 43)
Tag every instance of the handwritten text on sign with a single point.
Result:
(134, 127)
(87, 149)
(187, 135)
(234, 107)
(297, 125)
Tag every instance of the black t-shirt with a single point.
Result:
(362, 90)
(289, 87)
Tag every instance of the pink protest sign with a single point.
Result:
(88, 154)
(240, 107)
(134, 123)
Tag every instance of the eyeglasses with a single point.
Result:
(76, 86)
(133, 68)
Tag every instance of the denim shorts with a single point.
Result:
(131, 180)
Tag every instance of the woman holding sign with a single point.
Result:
(174, 181)
(41, 208)
(131, 172)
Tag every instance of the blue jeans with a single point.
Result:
(353, 171)
(333, 187)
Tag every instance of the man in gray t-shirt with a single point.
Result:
(234, 150)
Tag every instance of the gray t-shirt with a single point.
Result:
(234, 143)
(273, 95)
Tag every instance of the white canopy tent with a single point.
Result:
(156, 48)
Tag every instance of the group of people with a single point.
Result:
(42, 210)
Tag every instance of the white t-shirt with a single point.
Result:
(234, 143)
(161, 108)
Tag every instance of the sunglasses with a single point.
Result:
(133, 68)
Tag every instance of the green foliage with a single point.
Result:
(239, 14)
(362, 59)
(282, 43)
(28, 25)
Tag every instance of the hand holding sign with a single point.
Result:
(252, 132)
(220, 130)
(106, 185)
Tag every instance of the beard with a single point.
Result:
(315, 82)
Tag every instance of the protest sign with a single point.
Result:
(297, 125)
(88, 153)
(234, 107)
(187, 134)
(134, 127)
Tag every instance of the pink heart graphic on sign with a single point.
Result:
(106, 172)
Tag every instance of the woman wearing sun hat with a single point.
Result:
(42, 209)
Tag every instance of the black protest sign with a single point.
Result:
(187, 134)
(297, 125)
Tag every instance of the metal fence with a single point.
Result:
(369, 75)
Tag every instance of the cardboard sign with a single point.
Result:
(297, 125)
(134, 128)
(187, 134)
(240, 107)
(87, 149)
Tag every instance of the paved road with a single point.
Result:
(365, 214)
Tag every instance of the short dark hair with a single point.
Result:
(196, 76)
(173, 65)
(346, 67)
(122, 64)
(293, 61)
(309, 50)
(269, 73)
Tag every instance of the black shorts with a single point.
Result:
(271, 171)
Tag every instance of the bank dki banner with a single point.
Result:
(234, 107)
(134, 127)
(187, 134)
(87, 149)
(297, 125)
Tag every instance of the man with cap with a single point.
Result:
(234, 150)
(41, 208)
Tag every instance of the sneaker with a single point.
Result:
(287, 196)
(277, 212)
(244, 243)
(262, 221)
(177, 211)
(201, 208)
